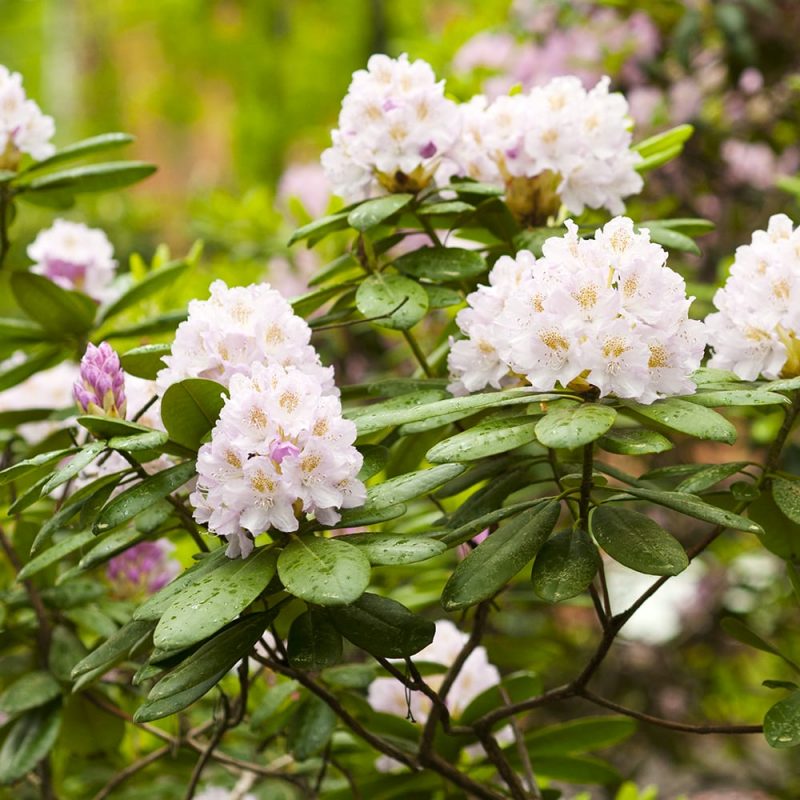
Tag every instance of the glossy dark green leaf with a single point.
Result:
(411, 485)
(636, 541)
(163, 323)
(358, 517)
(28, 465)
(737, 397)
(135, 443)
(383, 627)
(779, 534)
(145, 361)
(114, 649)
(311, 728)
(133, 501)
(516, 687)
(30, 739)
(496, 560)
(81, 149)
(738, 630)
(574, 426)
(634, 442)
(74, 466)
(398, 302)
(313, 643)
(189, 409)
(55, 554)
(782, 722)
(565, 566)
(326, 572)
(441, 264)
(485, 439)
(690, 418)
(375, 458)
(15, 374)
(709, 476)
(29, 691)
(671, 239)
(695, 507)
(319, 228)
(204, 668)
(57, 310)
(370, 213)
(222, 594)
(387, 548)
(474, 526)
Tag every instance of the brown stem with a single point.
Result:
(206, 755)
(131, 770)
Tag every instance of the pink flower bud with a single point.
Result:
(101, 388)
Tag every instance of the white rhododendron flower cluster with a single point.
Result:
(395, 126)
(75, 256)
(756, 330)
(478, 674)
(556, 143)
(604, 312)
(575, 142)
(23, 127)
(279, 449)
(236, 328)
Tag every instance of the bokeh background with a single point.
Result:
(234, 100)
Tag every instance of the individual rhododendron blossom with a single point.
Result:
(101, 386)
(478, 674)
(23, 127)
(280, 449)
(556, 144)
(395, 127)
(604, 312)
(756, 329)
(75, 257)
(236, 328)
(143, 569)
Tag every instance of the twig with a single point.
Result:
(131, 770)
(206, 755)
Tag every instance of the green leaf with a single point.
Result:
(634, 442)
(57, 310)
(320, 228)
(738, 397)
(189, 409)
(496, 560)
(466, 186)
(387, 548)
(163, 323)
(152, 283)
(115, 649)
(375, 458)
(565, 566)
(574, 426)
(517, 686)
(22, 468)
(147, 440)
(48, 357)
(786, 385)
(383, 627)
(695, 507)
(81, 149)
(577, 769)
(399, 301)
(21, 330)
(787, 497)
(222, 594)
(311, 728)
(580, 735)
(325, 572)
(154, 607)
(672, 239)
(91, 178)
(370, 213)
(145, 361)
(686, 417)
(485, 439)
(441, 264)
(445, 207)
(133, 501)
(30, 691)
(104, 427)
(469, 529)
(29, 741)
(709, 476)
(636, 541)
(56, 553)
(314, 643)
(690, 226)
(779, 534)
(358, 517)
(782, 722)
(112, 544)
(441, 296)
(76, 464)
(374, 418)
(204, 668)
(664, 141)
(739, 631)
(411, 485)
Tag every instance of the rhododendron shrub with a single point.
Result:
(217, 539)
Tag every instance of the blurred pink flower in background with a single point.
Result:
(142, 569)
(305, 181)
(755, 164)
